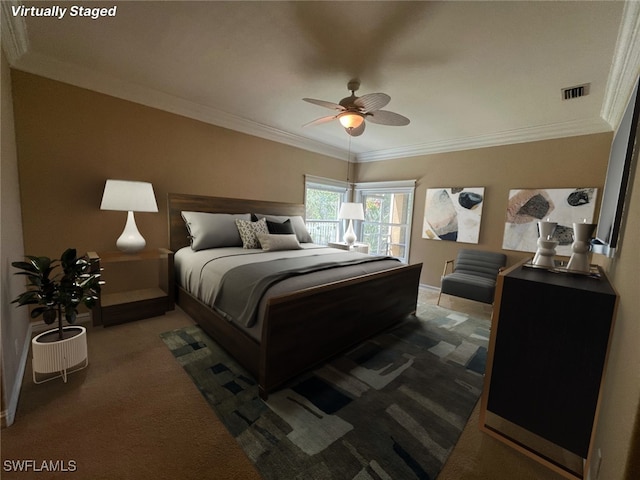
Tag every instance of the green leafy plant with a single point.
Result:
(55, 295)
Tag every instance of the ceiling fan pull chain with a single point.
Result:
(348, 162)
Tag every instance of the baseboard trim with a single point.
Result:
(9, 413)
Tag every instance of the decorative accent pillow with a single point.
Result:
(249, 231)
(277, 228)
(273, 242)
(297, 222)
(213, 230)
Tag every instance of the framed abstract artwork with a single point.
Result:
(453, 214)
(564, 206)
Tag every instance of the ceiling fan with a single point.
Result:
(352, 111)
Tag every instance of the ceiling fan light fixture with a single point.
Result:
(353, 111)
(350, 119)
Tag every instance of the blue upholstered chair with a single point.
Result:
(474, 275)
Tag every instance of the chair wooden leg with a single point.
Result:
(439, 295)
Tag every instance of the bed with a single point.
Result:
(295, 328)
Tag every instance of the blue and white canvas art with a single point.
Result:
(453, 214)
(564, 206)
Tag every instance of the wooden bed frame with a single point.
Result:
(304, 328)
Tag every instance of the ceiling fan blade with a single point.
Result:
(356, 132)
(320, 120)
(323, 103)
(372, 101)
(384, 117)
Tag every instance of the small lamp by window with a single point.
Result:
(129, 196)
(351, 211)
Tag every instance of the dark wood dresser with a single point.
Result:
(547, 355)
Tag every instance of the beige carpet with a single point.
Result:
(132, 414)
(135, 414)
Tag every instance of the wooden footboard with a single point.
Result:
(305, 328)
(308, 327)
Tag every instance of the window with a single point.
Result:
(323, 197)
(388, 208)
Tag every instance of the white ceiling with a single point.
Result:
(467, 74)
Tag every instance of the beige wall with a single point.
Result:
(564, 163)
(71, 140)
(621, 395)
(14, 322)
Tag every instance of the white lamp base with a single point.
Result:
(350, 235)
(130, 241)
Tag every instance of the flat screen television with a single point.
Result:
(617, 181)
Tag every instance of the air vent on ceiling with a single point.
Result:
(575, 92)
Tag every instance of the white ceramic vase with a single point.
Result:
(579, 261)
(546, 252)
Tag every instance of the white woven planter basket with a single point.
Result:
(62, 356)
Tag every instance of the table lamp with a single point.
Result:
(350, 211)
(129, 196)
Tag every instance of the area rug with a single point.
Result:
(392, 408)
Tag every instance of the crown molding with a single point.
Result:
(625, 66)
(101, 83)
(532, 134)
(15, 41)
(48, 67)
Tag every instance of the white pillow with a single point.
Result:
(213, 230)
(273, 242)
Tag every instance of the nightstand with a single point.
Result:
(356, 247)
(138, 285)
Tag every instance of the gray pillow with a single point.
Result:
(296, 221)
(278, 241)
(213, 230)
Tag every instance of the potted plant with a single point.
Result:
(57, 297)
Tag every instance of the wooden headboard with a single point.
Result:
(179, 202)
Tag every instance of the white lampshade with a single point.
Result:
(129, 196)
(351, 211)
(350, 119)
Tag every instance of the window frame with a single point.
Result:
(362, 189)
(331, 185)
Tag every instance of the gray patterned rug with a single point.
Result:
(392, 408)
